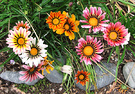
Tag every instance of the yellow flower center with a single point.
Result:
(21, 41)
(88, 50)
(33, 51)
(113, 35)
(66, 26)
(56, 21)
(32, 69)
(93, 21)
(81, 77)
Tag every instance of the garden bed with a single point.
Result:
(52, 35)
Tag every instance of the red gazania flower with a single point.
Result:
(82, 77)
(56, 20)
(115, 34)
(32, 73)
(21, 24)
(94, 19)
(89, 50)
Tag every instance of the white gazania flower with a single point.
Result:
(36, 53)
(127, 37)
(66, 69)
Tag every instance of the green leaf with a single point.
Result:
(4, 49)
(126, 3)
(48, 9)
(59, 53)
(117, 50)
(108, 11)
(4, 21)
(57, 1)
(44, 2)
(123, 54)
(3, 34)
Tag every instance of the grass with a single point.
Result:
(37, 88)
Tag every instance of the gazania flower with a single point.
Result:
(56, 20)
(69, 27)
(66, 69)
(127, 37)
(36, 53)
(18, 40)
(89, 49)
(23, 25)
(46, 64)
(115, 34)
(82, 77)
(31, 74)
(94, 19)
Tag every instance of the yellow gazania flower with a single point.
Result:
(46, 65)
(69, 27)
(56, 20)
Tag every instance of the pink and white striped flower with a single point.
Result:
(23, 25)
(115, 34)
(32, 73)
(94, 19)
(89, 49)
(19, 40)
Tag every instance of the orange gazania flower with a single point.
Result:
(46, 65)
(56, 20)
(69, 27)
(82, 77)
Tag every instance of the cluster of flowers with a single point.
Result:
(89, 49)
(62, 23)
(31, 51)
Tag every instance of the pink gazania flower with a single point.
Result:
(32, 73)
(89, 49)
(94, 19)
(21, 24)
(115, 34)
(19, 40)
